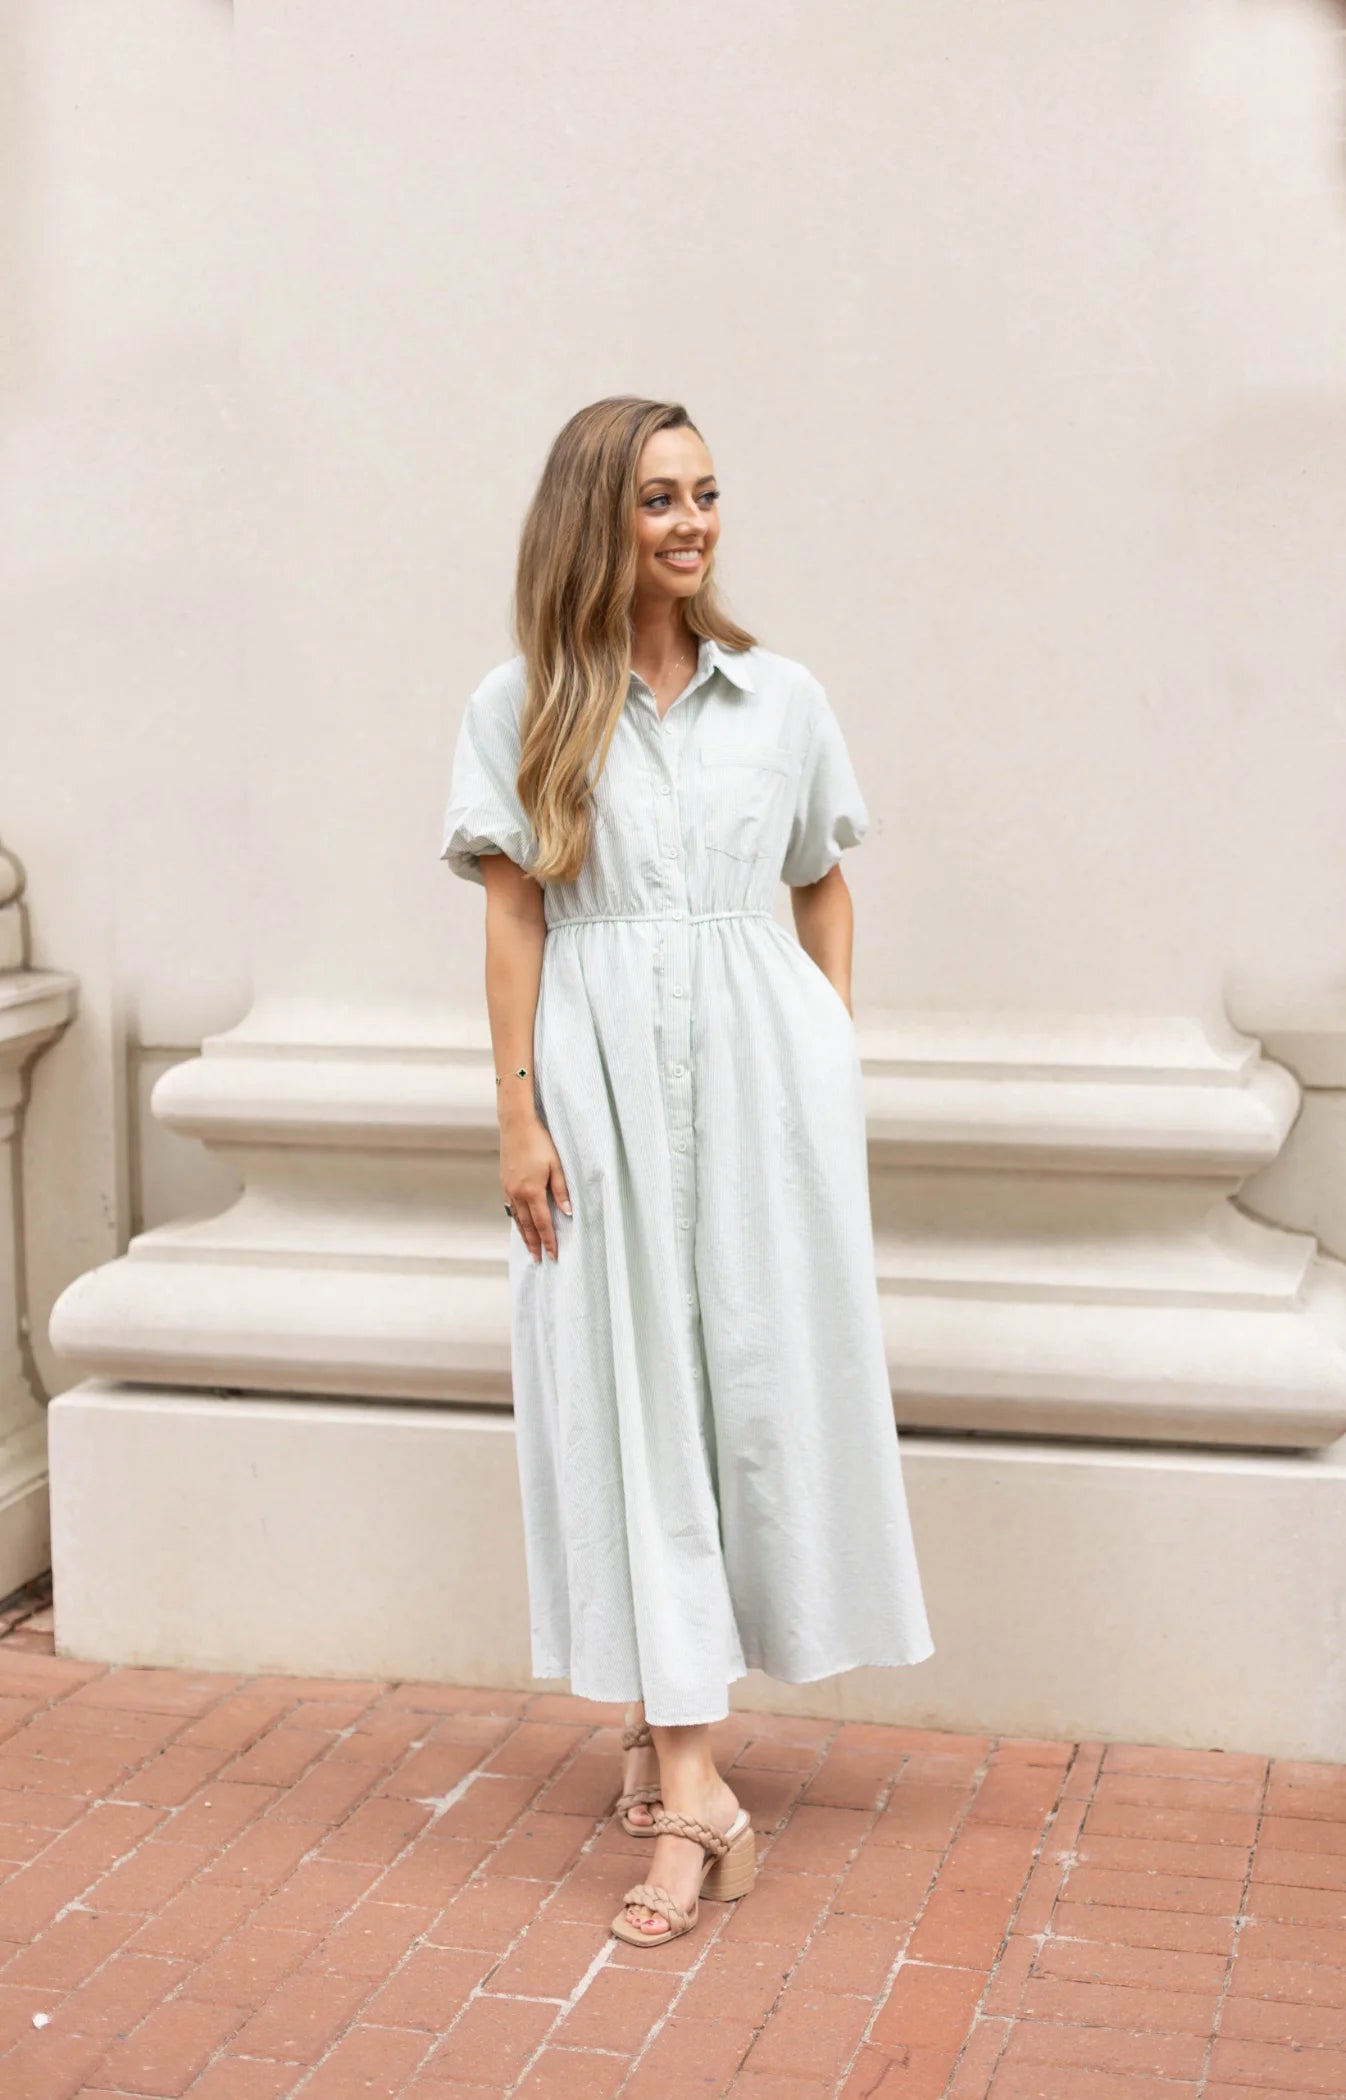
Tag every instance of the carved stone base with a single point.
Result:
(1165, 1596)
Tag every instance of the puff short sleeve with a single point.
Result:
(830, 812)
(484, 813)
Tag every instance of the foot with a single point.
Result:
(677, 1861)
(641, 1768)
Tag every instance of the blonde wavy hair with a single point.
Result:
(574, 591)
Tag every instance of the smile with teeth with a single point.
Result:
(685, 557)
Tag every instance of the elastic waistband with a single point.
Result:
(675, 918)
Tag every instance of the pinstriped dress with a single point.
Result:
(707, 1455)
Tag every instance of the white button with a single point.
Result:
(684, 1221)
(690, 1299)
(670, 852)
(679, 1144)
(677, 1070)
(679, 991)
(664, 788)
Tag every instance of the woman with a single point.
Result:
(707, 1456)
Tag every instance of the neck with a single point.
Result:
(659, 635)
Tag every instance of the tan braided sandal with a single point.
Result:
(636, 1739)
(727, 1872)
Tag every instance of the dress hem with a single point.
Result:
(696, 1720)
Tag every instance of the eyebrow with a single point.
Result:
(667, 481)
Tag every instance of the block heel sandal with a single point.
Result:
(636, 1739)
(727, 1872)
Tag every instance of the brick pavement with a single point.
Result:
(250, 1888)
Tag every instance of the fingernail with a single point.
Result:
(566, 1208)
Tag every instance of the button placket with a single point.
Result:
(674, 968)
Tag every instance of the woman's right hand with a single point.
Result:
(529, 1166)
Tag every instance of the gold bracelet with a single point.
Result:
(522, 1073)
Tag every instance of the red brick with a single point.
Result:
(371, 2062)
(377, 1831)
(491, 2041)
(1163, 1856)
(318, 1893)
(819, 1840)
(1202, 1826)
(432, 1869)
(961, 1928)
(381, 1738)
(236, 2078)
(17, 2006)
(1021, 1795)
(1140, 1790)
(486, 1699)
(620, 2006)
(429, 1989)
(266, 1854)
(68, 1951)
(1127, 1926)
(535, 1747)
(916, 2073)
(852, 1778)
(155, 1691)
(688, 2057)
(543, 1846)
(372, 1940)
(890, 1881)
(1016, 2081)
(124, 1991)
(994, 1858)
(1265, 1899)
(1112, 2049)
(851, 1954)
(168, 2049)
(1192, 1894)
(1316, 2070)
(193, 1923)
(328, 1791)
(1274, 1940)
(548, 1961)
(51, 2066)
(1167, 1763)
(1248, 2019)
(237, 1721)
(430, 1772)
(811, 2034)
(278, 1758)
(302, 2017)
(928, 2007)
(1294, 1867)
(1143, 1968)
(247, 1968)
(1137, 2011)
(218, 1813)
(1296, 1982)
(920, 1816)
(489, 1914)
(1303, 1834)
(587, 1787)
(572, 2074)
(767, 1796)
(171, 1777)
(972, 2077)
(781, 1909)
(1009, 1977)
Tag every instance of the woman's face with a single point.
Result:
(677, 518)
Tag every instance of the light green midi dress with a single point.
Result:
(707, 1455)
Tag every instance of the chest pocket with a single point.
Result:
(746, 801)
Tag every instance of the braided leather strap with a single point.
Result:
(634, 1794)
(689, 1827)
(656, 1898)
(636, 1738)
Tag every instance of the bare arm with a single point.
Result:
(825, 922)
(529, 1163)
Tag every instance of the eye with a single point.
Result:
(650, 501)
(710, 495)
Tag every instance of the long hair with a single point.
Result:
(573, 598)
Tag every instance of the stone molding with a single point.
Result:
(1057, 1241)
(35, 1006)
